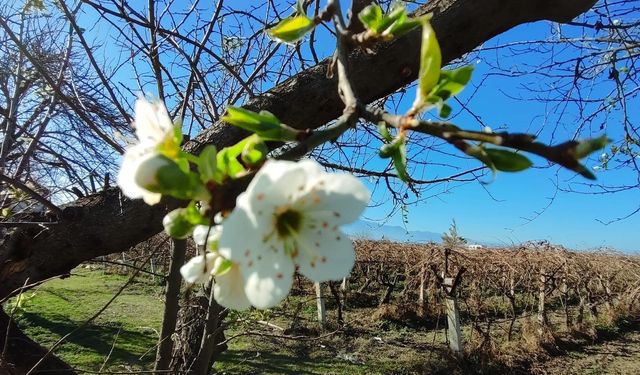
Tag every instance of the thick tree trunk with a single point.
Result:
(171, 307)
(212, 336)
(192, 318)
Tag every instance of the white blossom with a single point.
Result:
(205, 234)
(155, 134)
(228, 287)
(133, 157)
(152, 123)
(291, 215)
(198, 269)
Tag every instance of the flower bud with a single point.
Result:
(146, 175)
(176, 224)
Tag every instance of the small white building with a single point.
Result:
(474, 246)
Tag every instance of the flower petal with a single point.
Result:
(151, 198)
(152, 122)
(268, 280)
(204, 233)
(341, 197)
(278, 183)
(198, 269)
(266, 269)
(324, 254)
(228, 289)
(126, 179)
(234, 241)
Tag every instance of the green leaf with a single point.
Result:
(265, 124)
(177, 134)
(183, 163)
(171, 178)
(397, 14)
(250, 120)
(228, 164)
(480, 153)
(160, 174)
(227, 159)
(254, 152)
(445, 110)
(389, 149)
(403, 26)
(430, 64)
(207, 163)
(176, 224)
(291, 29)
(397, 151)
(371, 17)
(400, 161)
(393, 24)
(508, 161)
(193, 215)
(452, 82)
(586, 147)
(222, 267)
(384, 131)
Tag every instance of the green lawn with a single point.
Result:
(128, 330)
(129, 326)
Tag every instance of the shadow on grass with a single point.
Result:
(98, 338)
(253, 362)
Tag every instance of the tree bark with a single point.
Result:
(192, 321)
(209, 348)
(171, 307)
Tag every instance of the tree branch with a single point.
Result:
(306, 100)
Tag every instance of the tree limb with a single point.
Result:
(106, 223)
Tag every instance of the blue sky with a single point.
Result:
(501, 212)
(506, 210)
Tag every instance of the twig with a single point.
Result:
(560, 154)
(35, 195)
(113, 345)
(6, 337)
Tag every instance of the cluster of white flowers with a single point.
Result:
(289, 217)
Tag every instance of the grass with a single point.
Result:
(123, 338)
(127, 329)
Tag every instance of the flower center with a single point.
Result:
(288, 222)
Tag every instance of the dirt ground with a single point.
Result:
(620, 356)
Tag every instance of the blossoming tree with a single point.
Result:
(289, 215)
(256, 209)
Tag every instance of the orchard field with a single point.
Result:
(531, 309)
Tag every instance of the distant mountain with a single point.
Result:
(373, 231)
